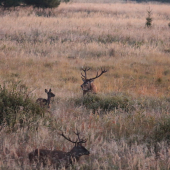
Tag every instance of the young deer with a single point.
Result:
(44, 102)
(88, 85)
(59, 158)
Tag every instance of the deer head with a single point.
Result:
(78, 150)
(44, 102)
(88, 85)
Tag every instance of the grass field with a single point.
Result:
(47, 49)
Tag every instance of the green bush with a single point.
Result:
(16, 106)
(105, 103)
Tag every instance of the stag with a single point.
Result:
(88, 85)
(46, 102)
(57, 158)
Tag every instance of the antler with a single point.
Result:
(68, 138)
(84, 77)
(102, 71)
(78, 141)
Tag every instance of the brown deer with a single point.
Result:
(43, 102)
(58, 158)
(88, 85)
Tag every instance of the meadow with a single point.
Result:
(127, 122)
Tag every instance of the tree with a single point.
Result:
(43, 3)
(9, 3)
(149, 19)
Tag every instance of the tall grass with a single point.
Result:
(127, 122)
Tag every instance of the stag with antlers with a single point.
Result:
(58, 158)
(46, 102)
(88, 85)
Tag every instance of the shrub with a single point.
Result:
(162, 131)
(16, 106)
(149, 19)
(105, 103)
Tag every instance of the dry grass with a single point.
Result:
(48, 52)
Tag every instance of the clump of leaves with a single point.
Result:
(149, 18)
(16, 106)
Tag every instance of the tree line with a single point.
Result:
(34, 3)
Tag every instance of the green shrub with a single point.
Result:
(105, 103)
(16, 106)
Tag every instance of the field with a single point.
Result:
(127, 122)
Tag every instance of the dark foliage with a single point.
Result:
(149, 19)
(16, 106)
(10, 3)
(43, 3)
(105, 103)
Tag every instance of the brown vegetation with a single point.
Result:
(130, 129)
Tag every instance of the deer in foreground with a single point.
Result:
(59, 158)
(44, 102)
(88, 85)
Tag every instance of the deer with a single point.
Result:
(58, 158)
(46, 102)
(88, 85)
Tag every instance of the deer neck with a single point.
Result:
(73, 156)
(48, 101)
(93, 88)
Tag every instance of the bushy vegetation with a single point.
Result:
(16, 106)
(105, 103)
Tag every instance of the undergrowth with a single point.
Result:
(16, 106)
(111, 102)
(105, 103)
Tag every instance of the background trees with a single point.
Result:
(10, 3)
(43, 3)
(35, 3)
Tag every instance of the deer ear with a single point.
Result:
(50, 90)
(46, 90)
(91, 81)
